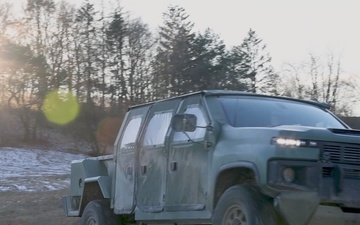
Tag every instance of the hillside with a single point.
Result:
(32, 182)
(35, 170)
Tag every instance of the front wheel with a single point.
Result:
(241, 205)
(98, 212)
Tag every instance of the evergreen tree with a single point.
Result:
(172, 64)
(87, 60)
(87, 27)
(209, 64)
(254, 65)
(116, 34)
(138, 56)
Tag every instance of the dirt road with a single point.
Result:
(33, 208)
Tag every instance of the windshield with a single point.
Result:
(271, 112)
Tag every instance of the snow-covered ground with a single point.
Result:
(35, 170)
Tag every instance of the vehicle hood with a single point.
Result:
(261, 135)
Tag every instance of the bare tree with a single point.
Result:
(5, 17)
(321, 80)
(18, 75)
(138, 54)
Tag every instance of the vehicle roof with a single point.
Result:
(238, 93)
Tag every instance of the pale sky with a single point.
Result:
(290, 28)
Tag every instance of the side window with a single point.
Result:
(199, 133)
(131, 132)
(156, 130)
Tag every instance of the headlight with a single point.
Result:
(290, 142)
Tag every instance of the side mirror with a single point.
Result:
(184, 122)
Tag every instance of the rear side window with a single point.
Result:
(270, 112)
(157, 128)
(131, 132)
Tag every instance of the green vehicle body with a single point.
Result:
(162, 174)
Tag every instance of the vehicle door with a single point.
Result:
(152, 158)
(126, 148)
(186, 187)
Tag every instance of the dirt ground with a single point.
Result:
(33, 208)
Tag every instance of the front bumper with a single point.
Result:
(316, 185)
(334, 184)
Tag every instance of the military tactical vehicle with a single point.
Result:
(223, 157)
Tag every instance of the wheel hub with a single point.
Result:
(234, 215)
(91, 221)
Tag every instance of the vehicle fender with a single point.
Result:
(91, 179)
(226, 177)
(240, 164)
(104, 183)
(89, 169)
(94, 188)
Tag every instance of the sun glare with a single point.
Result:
(60, 107)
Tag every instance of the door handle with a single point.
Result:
(173, 166)
(143, 170)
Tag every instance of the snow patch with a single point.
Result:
(35, 170)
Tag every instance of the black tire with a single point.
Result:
(243, 205)
(98, 212)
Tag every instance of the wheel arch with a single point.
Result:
(232, 174)
(95, 188)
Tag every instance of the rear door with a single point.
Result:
(126, 149)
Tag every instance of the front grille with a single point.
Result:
(341, 153)
(352, 174)
(348, 173)
(327, 171)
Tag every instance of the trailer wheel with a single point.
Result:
(98, 212)
(241, 205)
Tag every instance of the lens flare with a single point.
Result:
(60, 107)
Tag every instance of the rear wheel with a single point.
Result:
(241, 205)
(98, 212)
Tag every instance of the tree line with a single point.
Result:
(110, 61)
